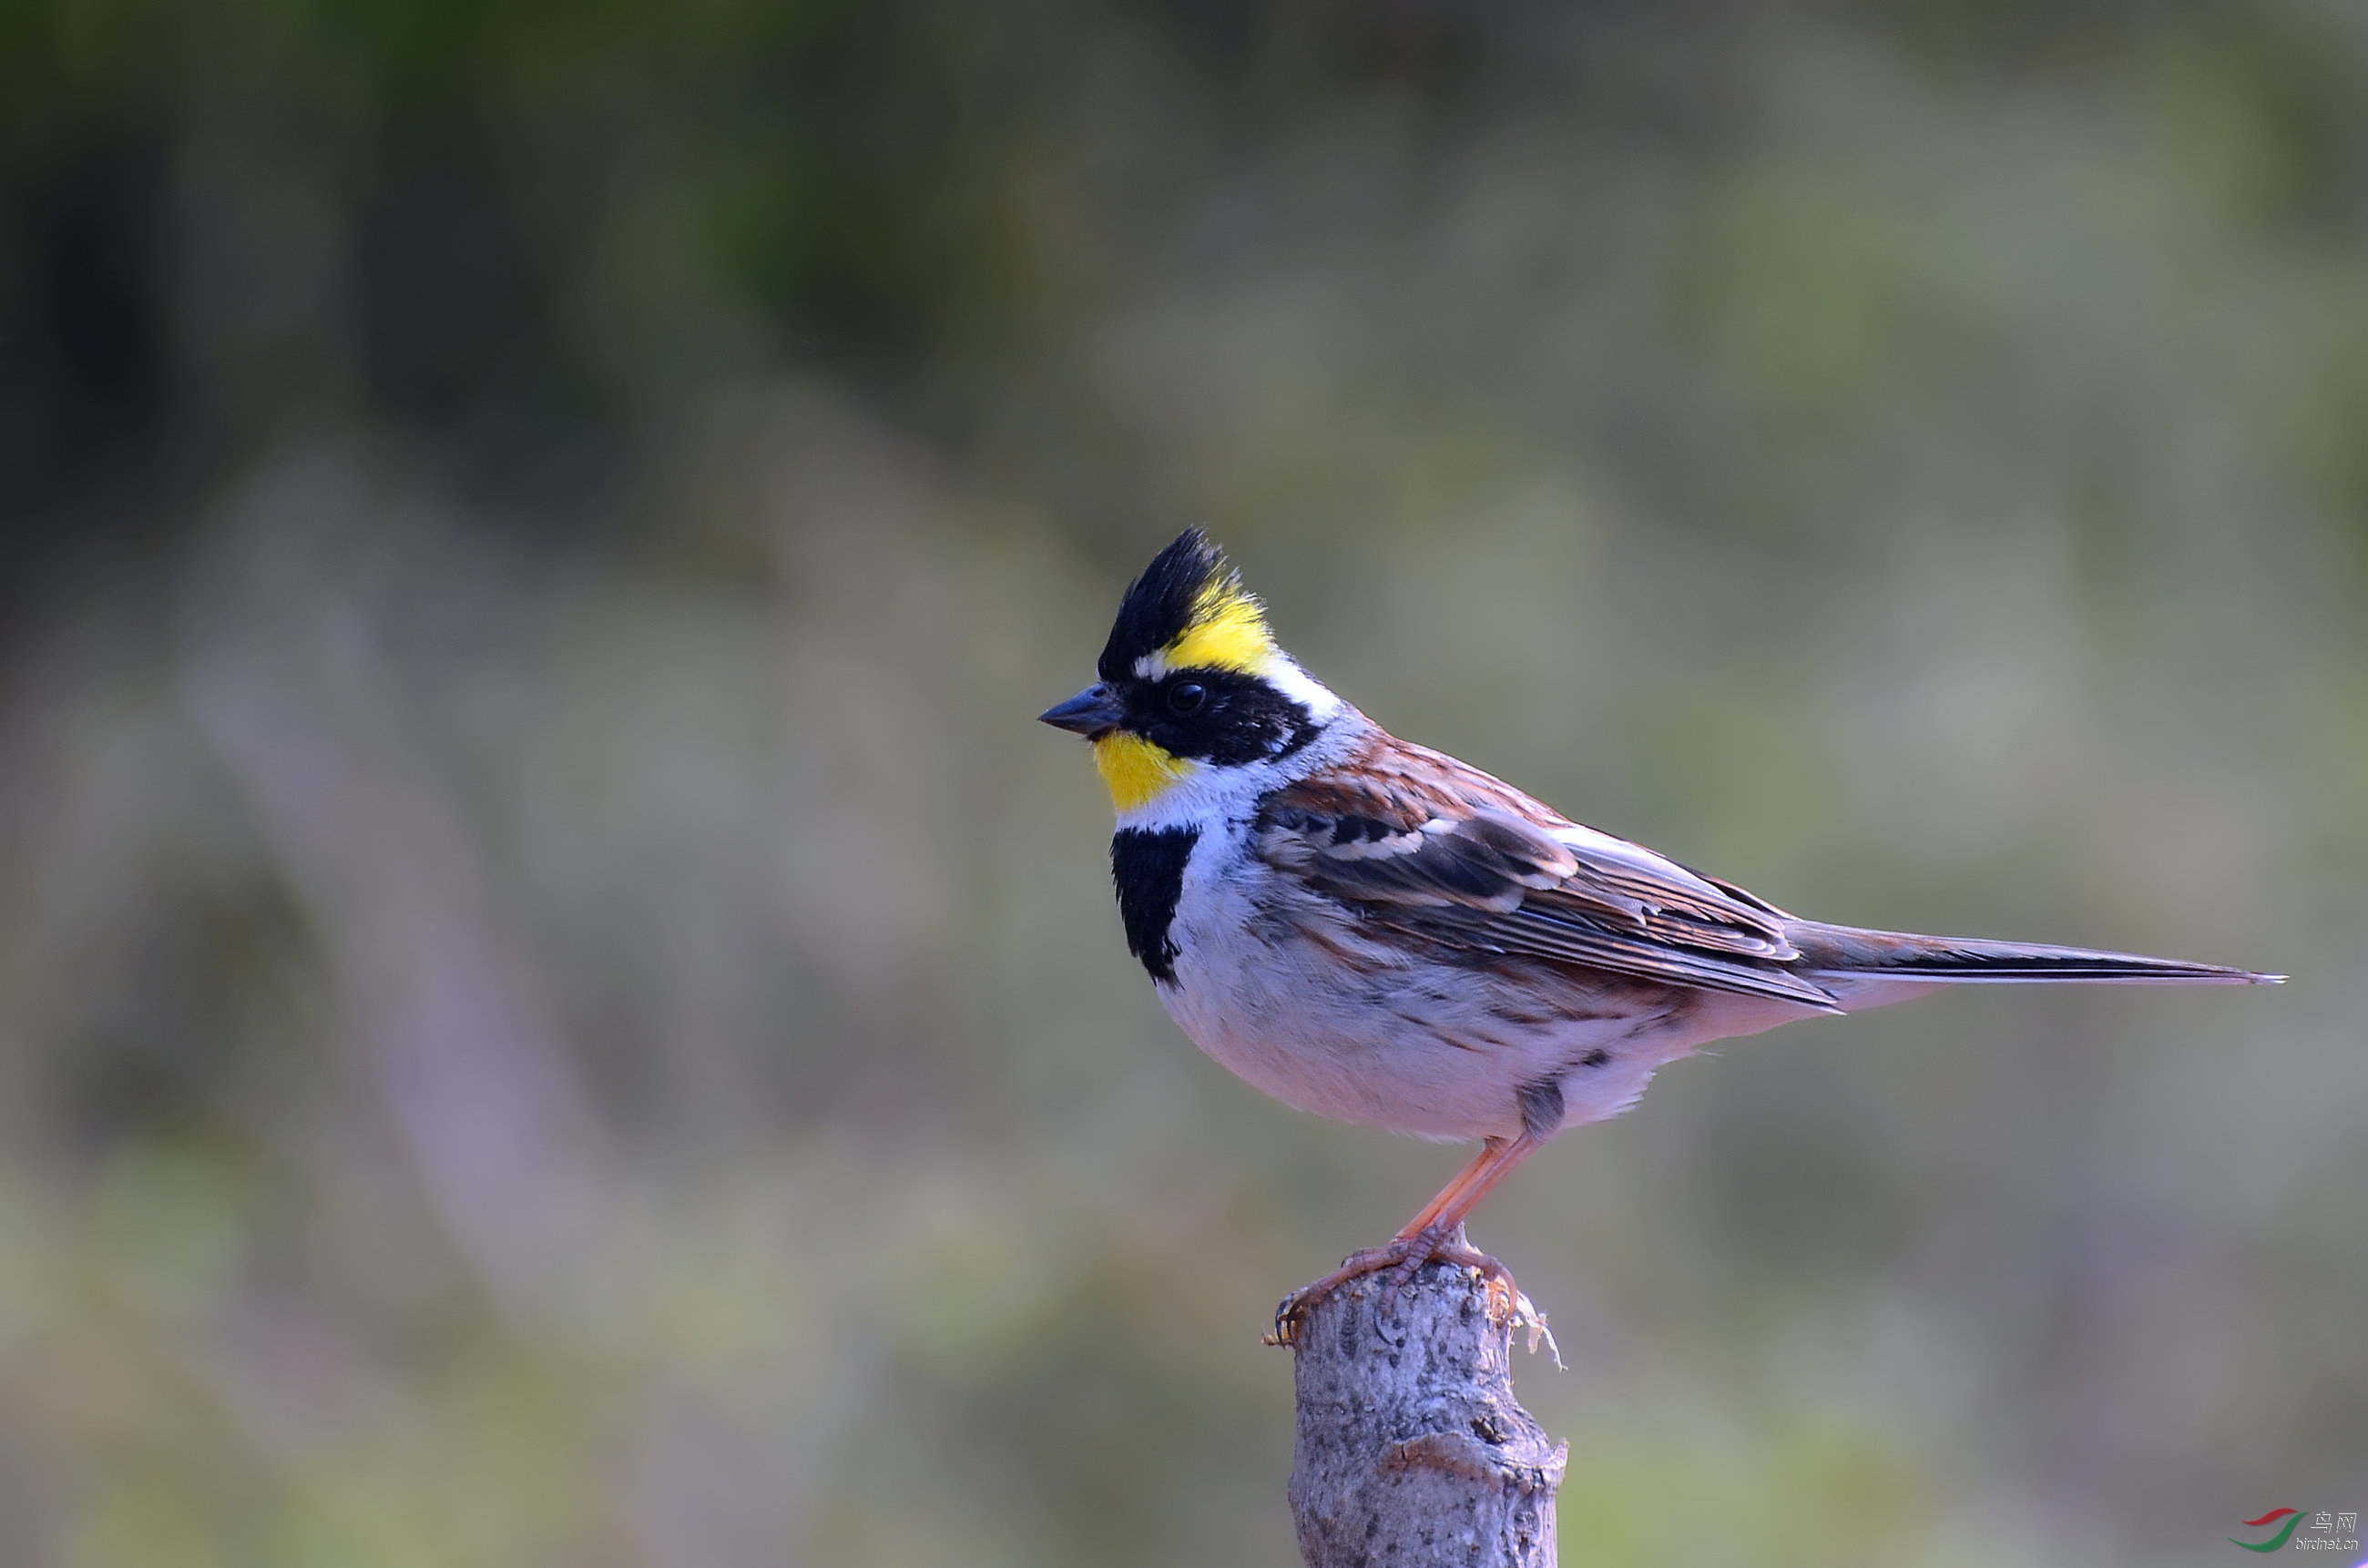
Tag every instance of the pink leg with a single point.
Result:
(1477, 1181)
(1453, 1189)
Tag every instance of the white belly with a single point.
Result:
(1288, 994)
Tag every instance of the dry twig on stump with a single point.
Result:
(1412, 1451)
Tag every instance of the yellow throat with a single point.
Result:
(1137, 771)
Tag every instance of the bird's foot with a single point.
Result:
(1397, 1261)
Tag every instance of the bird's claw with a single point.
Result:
(1400, 1259)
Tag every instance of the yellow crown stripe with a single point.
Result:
(1135, 771)
(1228, 633)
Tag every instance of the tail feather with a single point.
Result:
(1845, 951)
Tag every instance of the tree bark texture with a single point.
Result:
(1412, 1451)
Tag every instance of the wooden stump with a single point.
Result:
(1412, 1451)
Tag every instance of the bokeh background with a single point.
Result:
(555, 1008)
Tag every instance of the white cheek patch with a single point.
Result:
(1285, 676)
(1213, 794)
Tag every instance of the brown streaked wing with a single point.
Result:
(1442, 850)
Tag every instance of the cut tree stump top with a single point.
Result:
(1412, 1450)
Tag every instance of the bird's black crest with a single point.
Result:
(1159, 605)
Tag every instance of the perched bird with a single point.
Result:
(1373, 931)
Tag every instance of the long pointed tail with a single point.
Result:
(1846, 952)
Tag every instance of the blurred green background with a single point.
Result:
(556, 1008)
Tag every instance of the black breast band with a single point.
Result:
(1148, 867)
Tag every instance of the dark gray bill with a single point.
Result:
(1089, 712)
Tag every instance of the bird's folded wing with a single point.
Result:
(1426, 845)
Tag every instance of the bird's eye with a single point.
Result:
(1185, 698)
